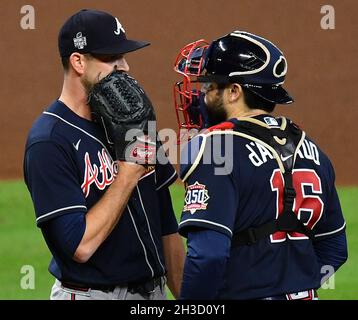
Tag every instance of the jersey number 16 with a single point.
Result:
(304, 181)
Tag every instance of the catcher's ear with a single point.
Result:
(235, 92)
(77, 61)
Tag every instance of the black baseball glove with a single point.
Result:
(121, 106)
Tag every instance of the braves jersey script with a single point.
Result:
(68, 166)
(233, 183)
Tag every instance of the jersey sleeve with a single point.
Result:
(332, 252)
(64, 233)
(51, 177)
(165, 174)
(332, 222)
(211, 197)
(169, 223)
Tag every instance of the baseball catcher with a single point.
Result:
(271, 222)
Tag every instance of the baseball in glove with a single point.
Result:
(122, 107)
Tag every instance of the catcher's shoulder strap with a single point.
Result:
(190, 156)
(193, 151)
(284, 141)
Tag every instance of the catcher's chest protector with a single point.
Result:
(284, 142)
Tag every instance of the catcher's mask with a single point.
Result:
(238, 57)
(188, 100)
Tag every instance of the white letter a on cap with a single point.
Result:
(119, 28)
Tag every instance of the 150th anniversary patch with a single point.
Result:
(196, 197)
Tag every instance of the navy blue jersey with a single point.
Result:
(233, 183)
(68, 166)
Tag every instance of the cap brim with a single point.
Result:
(122, 47)
(274, 94)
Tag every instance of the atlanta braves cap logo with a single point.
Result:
(119, 28)
(196, 197)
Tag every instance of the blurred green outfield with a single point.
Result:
(21, 243)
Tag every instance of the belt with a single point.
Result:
(303, 295)
(85, 288)
(143, 288)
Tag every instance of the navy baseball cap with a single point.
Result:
(93, 31)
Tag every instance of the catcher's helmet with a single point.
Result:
(250, 60)
(238, 57)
